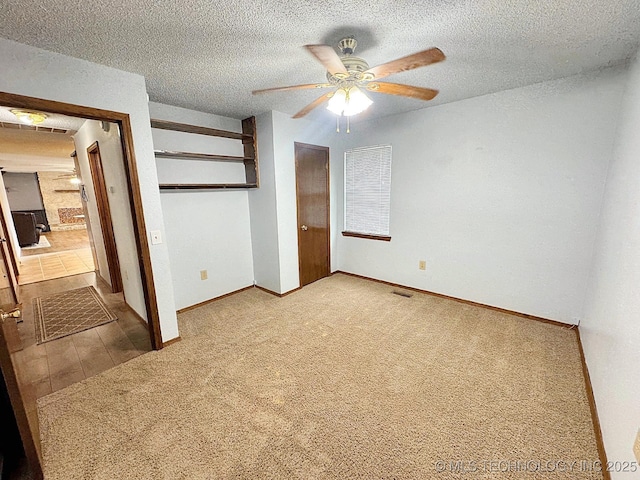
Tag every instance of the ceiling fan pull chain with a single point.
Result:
(337, 124)
(348, 129)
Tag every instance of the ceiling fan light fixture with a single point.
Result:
(348, 76)
(29, 117)
(349, 101)
(337, 101)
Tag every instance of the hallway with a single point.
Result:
(59, 363)
(69, 254)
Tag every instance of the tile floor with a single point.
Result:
(36, 268)
(57, 364)
(69, 254)
(61, 241)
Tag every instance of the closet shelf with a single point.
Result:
(213, 132)
(205, 186)
(249, 146)
(199, 156)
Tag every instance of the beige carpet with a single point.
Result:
(69, 312)
(341, 379)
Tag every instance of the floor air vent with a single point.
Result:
(402, 294)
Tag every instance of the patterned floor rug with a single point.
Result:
(69, 312)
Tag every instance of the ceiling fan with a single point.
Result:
(72, 176)
(349, 75)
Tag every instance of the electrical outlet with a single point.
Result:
(636, 446)
(156, 237)
(203, 275)
(422, 265)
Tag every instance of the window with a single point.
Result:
(367, 192)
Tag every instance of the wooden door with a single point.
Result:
(9, 291)
(312, 189)
(18, 413)
(104, 212)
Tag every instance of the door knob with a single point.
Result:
(15, 313)
(304, 227)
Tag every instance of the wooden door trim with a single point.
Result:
(23, 403)
(296, 146)
(10, 263)
(133, 187)
(104, 213)
(12, 251)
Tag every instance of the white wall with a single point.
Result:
(497, 194)
(37, 73)
(209, 229)
(263, 208)
(277, 200)
(287, 131)
(116, 180)
(83, 139)
(23, 191)
(611, 327)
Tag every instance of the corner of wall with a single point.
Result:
(263, 211)
(609, 331)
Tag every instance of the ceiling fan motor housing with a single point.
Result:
(354, 65)
(347, 45)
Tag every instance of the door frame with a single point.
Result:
(133, 190)
(9, 263)
(296, 146)
(12, 250)
(104, 213)
(21, 398)
(85, 211)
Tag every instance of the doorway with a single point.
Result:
(132, 191)
(66, 364)
(57, 181)
(42, 214)
(106, 223)
(312, 192)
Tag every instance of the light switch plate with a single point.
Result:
(636, 446)
(156, 237)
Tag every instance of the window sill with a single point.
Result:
(384, 238)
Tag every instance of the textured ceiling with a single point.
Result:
(30, 151)
(209, 55)
(54, 120)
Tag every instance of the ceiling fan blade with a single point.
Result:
(402, 90)
(328, 57)
(420, 59)
(293, 87)
(316, 103)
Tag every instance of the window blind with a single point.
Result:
(368, 190)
